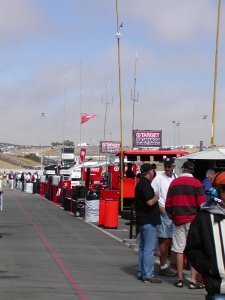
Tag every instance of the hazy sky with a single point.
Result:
(47, 46)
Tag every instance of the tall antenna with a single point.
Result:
(107, 103)
(64, 114)
(133, 94)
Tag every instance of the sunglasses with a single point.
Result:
(168, 167)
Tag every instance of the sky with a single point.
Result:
(59, 58)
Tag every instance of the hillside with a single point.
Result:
(14, 156)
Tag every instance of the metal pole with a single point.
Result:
(80, 100)
(42, 118)
(121, 118)
(64, 114)
(174, 126)
(204, 137)
(215, 78)
(178, 134)
(133, 97)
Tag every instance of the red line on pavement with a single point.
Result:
(54, 254)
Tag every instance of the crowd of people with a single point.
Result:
(17, 180)
(178, 214)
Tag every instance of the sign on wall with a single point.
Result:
(109, 147)
(147, 138)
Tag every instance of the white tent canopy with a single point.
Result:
(210, 154)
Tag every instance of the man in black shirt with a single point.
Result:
(147, 218)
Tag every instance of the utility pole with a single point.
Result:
(42, 118)
(107, 103)
(204, 137)
(133, 94)
(174, 125)
(178, 133)
(64, 114)
(215, 79)
(118, 35)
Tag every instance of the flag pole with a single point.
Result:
(215, 78)
(121, 115)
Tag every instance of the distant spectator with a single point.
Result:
(207, 182)
(11, 180)
(129, 171)
(22, 179)
(1, 180)
(4, 175)
(17, 179)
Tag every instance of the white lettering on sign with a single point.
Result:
(94, 169)
(147, 134)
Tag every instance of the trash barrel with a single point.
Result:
(111, 208)
(92, 207)
(29, 187)
(101, 212)
(111, 213)
(42, 185)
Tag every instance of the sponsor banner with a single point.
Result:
(83, 152)
(109, 147)
(147, 138)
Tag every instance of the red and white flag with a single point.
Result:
(86, 117)
(82, 154)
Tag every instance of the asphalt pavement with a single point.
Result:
(47, 253)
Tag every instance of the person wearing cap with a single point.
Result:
(160, 185)
(206, 243)
(147, 219)
(184, 197)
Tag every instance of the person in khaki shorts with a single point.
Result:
(160, 185)
(184, 197)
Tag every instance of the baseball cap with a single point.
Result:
(146, 167)
(189, 165)
(168, 161)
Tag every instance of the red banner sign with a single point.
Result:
(82, 154)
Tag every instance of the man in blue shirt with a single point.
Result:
(207, 182)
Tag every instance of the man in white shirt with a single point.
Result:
(160, 185)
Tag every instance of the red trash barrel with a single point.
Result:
(42, 185)
(101, 212)
(111, 213)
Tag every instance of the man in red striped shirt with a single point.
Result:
(184, 197)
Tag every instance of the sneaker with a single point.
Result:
(152, 280)
(140, 277)
(167, 272)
